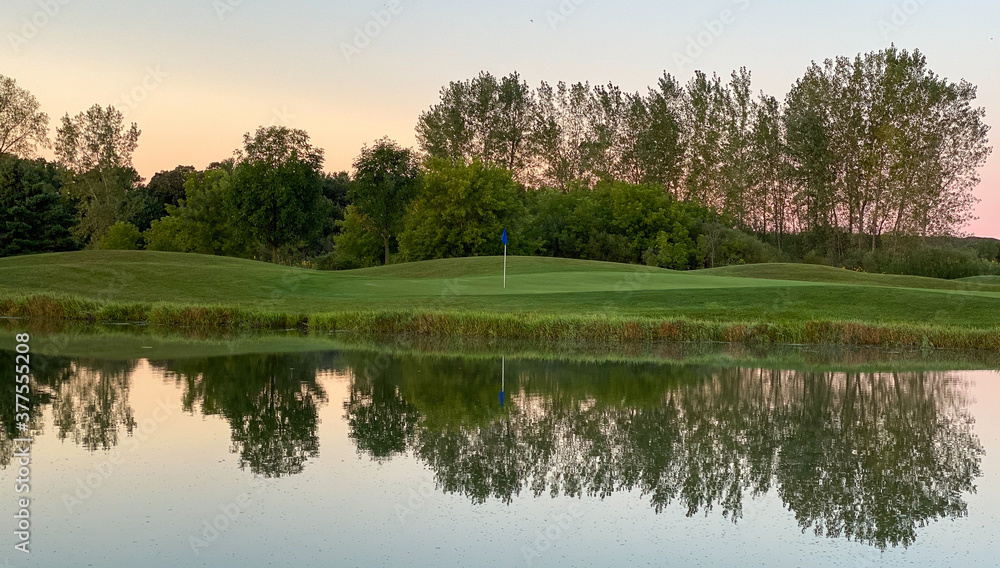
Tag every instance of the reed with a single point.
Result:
(526, 326)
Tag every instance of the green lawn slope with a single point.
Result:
(544, 298)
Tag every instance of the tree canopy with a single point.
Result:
(276, 191)
(386, 179)
(23, 126)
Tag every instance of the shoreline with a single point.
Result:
(495, 325)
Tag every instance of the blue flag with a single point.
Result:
(503, 237)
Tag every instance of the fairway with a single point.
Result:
(765, 293)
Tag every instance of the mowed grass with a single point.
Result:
(567, 292)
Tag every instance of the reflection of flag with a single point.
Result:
(503, 237)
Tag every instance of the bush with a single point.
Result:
(169, 234)
(722, 246)
(357, 246)
(814, 257)
(121, 236)
(616, 222)
(461, 211)
(931, 261)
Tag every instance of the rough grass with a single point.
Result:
(508, 326)
(545, 299)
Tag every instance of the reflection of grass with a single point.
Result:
(157, 343)
(546, 299)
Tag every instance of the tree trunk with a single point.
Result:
(386, 239)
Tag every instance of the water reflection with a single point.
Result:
(270, 401)
(870, 457)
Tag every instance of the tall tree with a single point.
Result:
(96, 147)
(386, 179)
(33, 218)
(882, 144)
(485, 118)
(96, 138)
(275, 194)
(23, 127)
(659, 147)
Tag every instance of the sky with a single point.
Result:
(198, 74)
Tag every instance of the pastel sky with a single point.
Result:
(197, 74)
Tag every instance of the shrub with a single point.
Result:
(813, 257)
(357, 246)
(722, 246)
(461, 211)
(121, 236)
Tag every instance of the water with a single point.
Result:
(361, 458)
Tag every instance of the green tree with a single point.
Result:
(485, 118)
(355, 246)
(23, 127)
(168, 185)
(201, 223)
(121, 236)
(880, 143)
(33, 217)
(275, 194)
(461, 211)
(96, 147)
(386, 179)
(141, 207)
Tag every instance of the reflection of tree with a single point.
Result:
(869, 457)
(270, 402)
(381, 422)
(92, 405)
(89, 400)
(885, 454)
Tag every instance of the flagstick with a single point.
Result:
(505, 267)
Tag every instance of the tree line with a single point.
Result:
(868, 163)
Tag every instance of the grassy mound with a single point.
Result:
(491, 266)
(832, 275)
(545, 298)
(982, 280)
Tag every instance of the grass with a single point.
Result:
(545, 299)
(995, 280)
(130, 342)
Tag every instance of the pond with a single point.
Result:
(374, 456)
